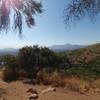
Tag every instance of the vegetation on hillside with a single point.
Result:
(31, 61)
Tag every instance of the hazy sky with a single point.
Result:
(50, 29)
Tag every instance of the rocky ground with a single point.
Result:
(21, 91)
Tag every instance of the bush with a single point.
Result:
(82, 72)
(11, 70)
(34, 59)
(10, 74)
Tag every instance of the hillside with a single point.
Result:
(89, 53)
(7, 51)
(80, 70)
(85, 61)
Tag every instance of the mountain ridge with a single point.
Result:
(66, 47)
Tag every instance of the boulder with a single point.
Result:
(48, 90)
(33, 96)
(31, 90)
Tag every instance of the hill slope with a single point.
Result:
(7, 51)
(91, 52)
(86, 61)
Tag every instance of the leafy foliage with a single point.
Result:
(20, 9)
(78, 9)
(11, 71)
(33, 59)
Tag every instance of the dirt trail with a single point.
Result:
(17, 91)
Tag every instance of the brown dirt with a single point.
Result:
(18, 91)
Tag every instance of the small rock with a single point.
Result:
(27, 81)
(53, 89)
(48, 90)
(33, 96)
(84, 88)
(97, 90)
(31, 90)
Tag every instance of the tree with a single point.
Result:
(21, 10)
(29, 58)
(35, 58)
(78, 9)
(11, 70)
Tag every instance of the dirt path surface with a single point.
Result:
(18, 91)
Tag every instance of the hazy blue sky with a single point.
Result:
(50, 29)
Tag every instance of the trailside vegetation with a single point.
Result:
(32, 60)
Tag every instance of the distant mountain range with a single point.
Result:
(58, 48)
(66, 47)
(6, 51)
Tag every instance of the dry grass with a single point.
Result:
(53, 79)
(97, 83)
(1, 73)
(72, 83)
(79, 85)
(56, 79)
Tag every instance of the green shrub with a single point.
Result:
(11, 70)
(83, 72)
(10, 74)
